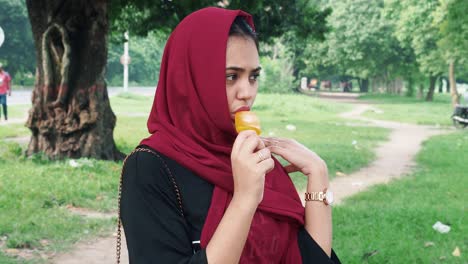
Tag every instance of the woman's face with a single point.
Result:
(242, 71)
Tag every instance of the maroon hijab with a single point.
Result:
(190, 123)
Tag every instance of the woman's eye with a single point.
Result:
(254, 77)
(230, 77)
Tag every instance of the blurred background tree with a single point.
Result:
(15, 52)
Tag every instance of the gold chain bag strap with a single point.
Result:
(176, 189)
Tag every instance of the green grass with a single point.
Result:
(35, 192)
(396, 219)
(319, 128)
(128, 104)
(411, 110)
(13, 130)
(18, 111)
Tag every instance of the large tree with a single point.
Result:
(359, 45)
(452, 21)
(71, 115)
(415, 29)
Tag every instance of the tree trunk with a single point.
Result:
(441, 84)
(410, 88)
(453, 84)
(363, 85)
(430, 93)
(71, 114)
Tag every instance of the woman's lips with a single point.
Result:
(242, 108)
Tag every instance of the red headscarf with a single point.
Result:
(190, 123)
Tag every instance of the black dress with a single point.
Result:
(150, 212)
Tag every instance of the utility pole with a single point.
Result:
(125, 60)
(2, 36)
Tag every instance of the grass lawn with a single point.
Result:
(395, 221)
(411, 110)
(18, 111)
(34, 192)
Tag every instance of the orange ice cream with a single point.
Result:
(247, 120)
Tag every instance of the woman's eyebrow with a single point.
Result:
(235, 68)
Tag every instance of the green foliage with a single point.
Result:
(386, 40)
(272, 18)
(301, 20)
(360, 45)
(414, 28)
(360, 40)
(145, 52)
(277, 68)
(450, 17)
(396, 219)
(16, 52)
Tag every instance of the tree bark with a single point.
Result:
(441, 84)
(363, 85)
(453, 84)
(430, 93)
(71, 115)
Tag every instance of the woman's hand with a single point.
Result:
(300, 158)
(250, 161)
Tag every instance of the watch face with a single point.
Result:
(329, 197)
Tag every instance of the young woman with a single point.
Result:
(198, 192)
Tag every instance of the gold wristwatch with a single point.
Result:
(326, 197)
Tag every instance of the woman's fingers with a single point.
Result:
(267, 165)
(271, 141)
(262, 154)
(240, 140)
(251, 144)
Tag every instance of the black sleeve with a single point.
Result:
(154, 229)
(311, 252)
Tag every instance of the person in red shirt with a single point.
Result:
(5, 87)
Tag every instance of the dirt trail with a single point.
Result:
(394, 158)
(98, 251)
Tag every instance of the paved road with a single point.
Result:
(24, 96)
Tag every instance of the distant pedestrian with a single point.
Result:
(5, 87)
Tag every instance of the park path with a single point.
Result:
(394, 158)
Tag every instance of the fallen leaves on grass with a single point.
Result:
(429, 244)
(367, 255)
(456, 252)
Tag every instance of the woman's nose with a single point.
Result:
(245, 89)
